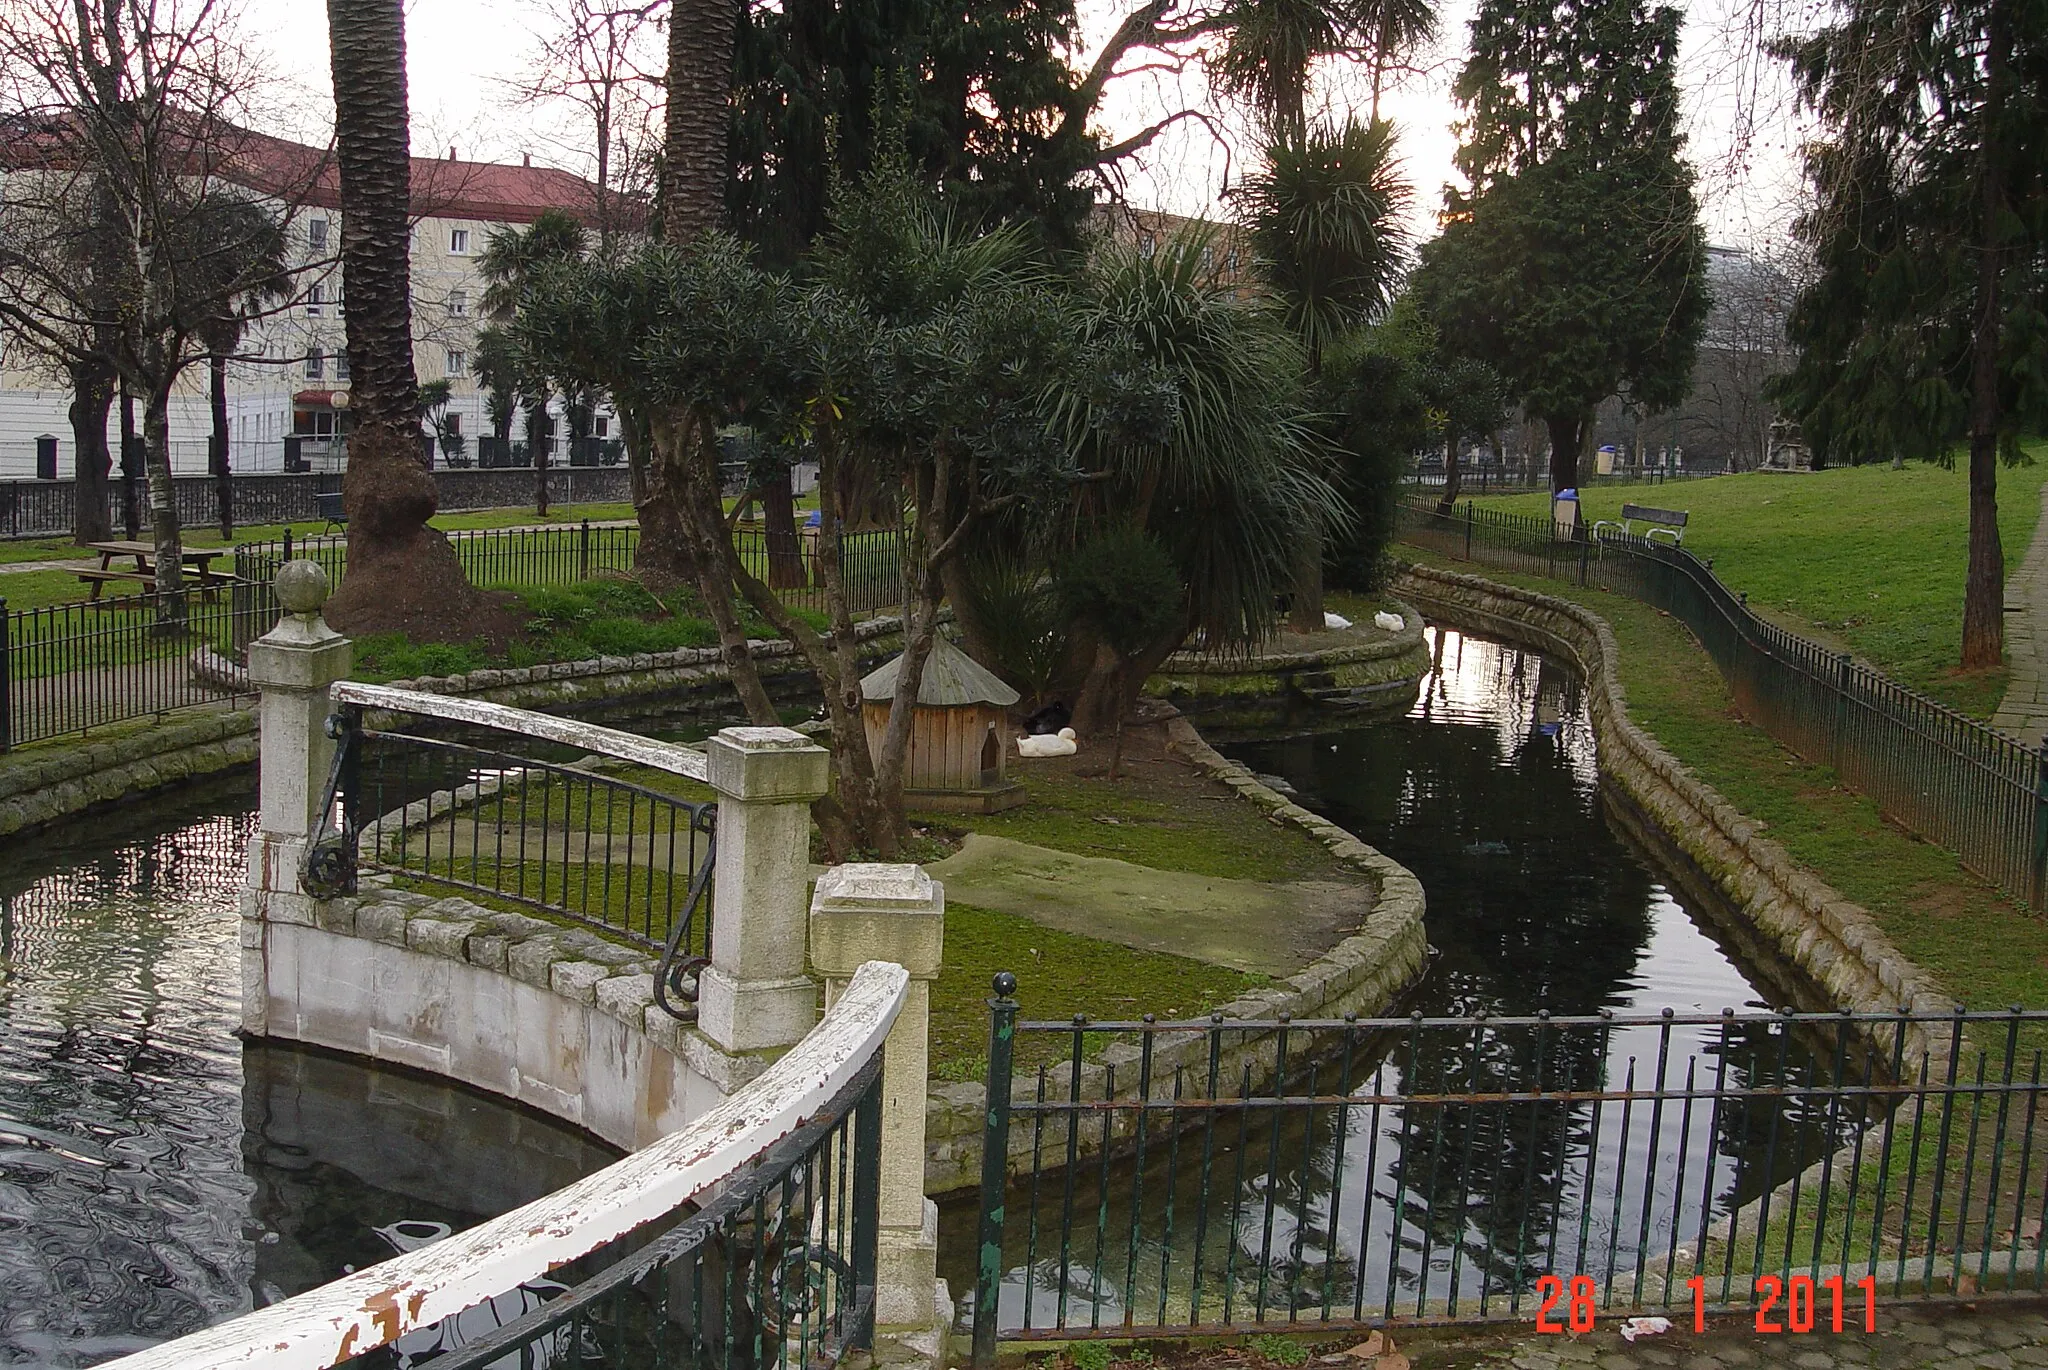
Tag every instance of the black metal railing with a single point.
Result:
(1212, 1176)
(871, 561)
(778, 1269)
(1949, 778)
(570, 843)
(66, 668)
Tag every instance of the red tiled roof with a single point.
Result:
(303, 174)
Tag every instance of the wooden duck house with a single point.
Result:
(959, 752)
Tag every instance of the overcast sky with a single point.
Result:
(462, 53)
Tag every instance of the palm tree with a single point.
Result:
(1393, 29)
(1271, 48)
(402, 574)
(1324, 219)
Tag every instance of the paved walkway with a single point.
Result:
(2023, 713)
(18, 567)
(1999, 1337)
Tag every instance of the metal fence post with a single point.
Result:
(1469, 515)
(583, 552)
(6, 679)
(995, 1168)
(1842, 674)
(2038, 886)
(867, 1197)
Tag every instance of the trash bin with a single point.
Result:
(1564, 514)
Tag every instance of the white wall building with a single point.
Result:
(293, 365)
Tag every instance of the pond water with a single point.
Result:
(1488, 790)
(158, 1175)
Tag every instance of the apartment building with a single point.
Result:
(288, 387)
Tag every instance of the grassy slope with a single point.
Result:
(1062, 974)
(1988, 952)
(1867, 557)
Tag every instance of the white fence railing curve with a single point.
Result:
(377, 1305)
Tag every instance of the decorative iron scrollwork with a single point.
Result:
(676, 979)
(329, 868)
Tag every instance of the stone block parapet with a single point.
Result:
(555, 1017)
(45, 783)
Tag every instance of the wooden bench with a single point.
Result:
(100, 577)
(1669, 523)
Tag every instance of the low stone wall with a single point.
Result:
(558, 1019)
(45, 783)
(1362, 974)
(1375, 677)
(1833, 941)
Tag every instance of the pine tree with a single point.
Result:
(1573, 264)
(1927, 323)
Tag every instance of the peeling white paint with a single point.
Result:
(377, 1305)
(672, 757)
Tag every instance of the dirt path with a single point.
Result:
(2023, 713)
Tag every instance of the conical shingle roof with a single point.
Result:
(951, 678)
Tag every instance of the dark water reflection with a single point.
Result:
(1489, 792)
(156, 1175)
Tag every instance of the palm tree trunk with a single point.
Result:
(694, 151)
(402, 574)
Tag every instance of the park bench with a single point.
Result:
(1668, 522)
(328, 505)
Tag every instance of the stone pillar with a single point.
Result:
(292, 665)
(755, 996)
(894, 913)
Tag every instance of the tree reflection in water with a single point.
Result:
(1489, 792)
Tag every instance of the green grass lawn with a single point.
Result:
(1865, 557)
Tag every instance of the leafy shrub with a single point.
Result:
(394, 656)
(1125, 586)
(1281, 1350)
(1091, 1355)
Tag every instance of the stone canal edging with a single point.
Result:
(42, 784)
(1835, 942)
(1362, 974)
(1377, 675)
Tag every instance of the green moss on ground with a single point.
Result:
(1987, 951)
(1196, 827)
(1863, 557)
(1058, 976)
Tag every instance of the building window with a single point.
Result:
(1146, 245)
(1230, 261)
(458, 303)
(604, 426)
(316, 364)
(458, 241)
(316, 295)
(341, 366)
(316, 234)
(457, 364)
(452, 425)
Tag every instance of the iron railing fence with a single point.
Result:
(871, 561)
(45, 508)
(778, 1269)
(1174, 1178)
(67, 668)
(1480, 480)
(1949, 778)
(625, 859)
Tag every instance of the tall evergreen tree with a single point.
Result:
(1928, 320)
(1574, 264)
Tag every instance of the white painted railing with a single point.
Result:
(376, 1306)
(672, 757)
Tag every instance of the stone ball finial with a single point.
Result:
(302, 587)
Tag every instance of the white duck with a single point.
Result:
(1391, 623)
(1060, 743)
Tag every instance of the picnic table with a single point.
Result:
(197, 561)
